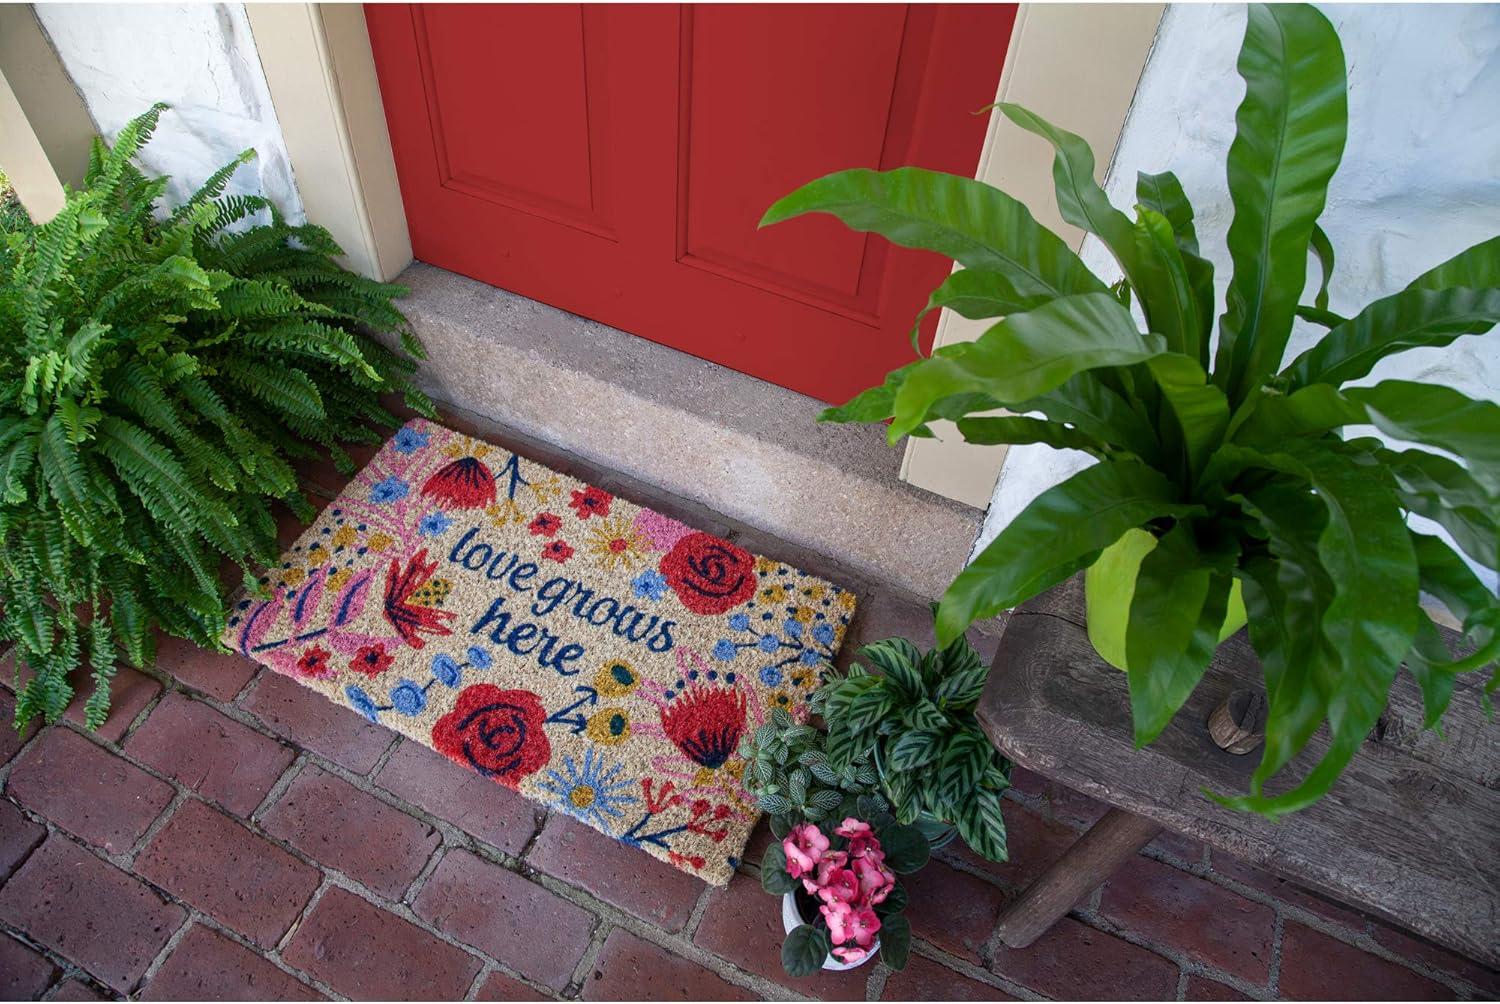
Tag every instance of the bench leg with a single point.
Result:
(1109, 843)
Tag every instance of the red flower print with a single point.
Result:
(558, 551)
(497, 733)
(464, 484)
(313, 663)
(705, 723)
(709, 575)
(591, 502)
(545, 525)
(371, 660)
(410, 619)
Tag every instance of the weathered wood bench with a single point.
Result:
(1410, 832)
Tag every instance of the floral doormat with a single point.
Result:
(595, 656)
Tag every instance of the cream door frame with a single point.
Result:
(321, 74)
(1076, 65)
(45, 130)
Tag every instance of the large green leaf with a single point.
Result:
(1013, 430)
(1162, 193)
(1076, 520)
(1412, 318)
(1092, 407)
(1371, 620)
(1289, 137)
(1027, 355)
(1440, 489)
(1168, 296)
(1445, 575)
(1198, 406)
(1178, 606)
(1439, 416)
(974, 224)
(977, 293)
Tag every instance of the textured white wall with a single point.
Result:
(201, 60)
(1419, 182)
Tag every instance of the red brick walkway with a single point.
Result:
(229, 833)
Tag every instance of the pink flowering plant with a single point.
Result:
(843, 880)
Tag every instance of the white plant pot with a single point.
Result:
(791, 920)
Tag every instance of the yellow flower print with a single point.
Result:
(433, 593)
(546, 489)
(780, 698)
(802, 677)
(815, 593)
(764, 566)
(845, 600)
(608, 726)
(316, 555)
(505, 512)
(803, 615)
(344, 536)
(773, 594)
(293, 577)
(379, 542)
(616, 678)
(463, 446)
(614, 543)
(337, 579)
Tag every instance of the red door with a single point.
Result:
(614, 161)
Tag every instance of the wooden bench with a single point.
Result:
(1411, 831)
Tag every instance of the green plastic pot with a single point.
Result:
(1109, 586)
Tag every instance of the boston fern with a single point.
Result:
(916, 719)
(1231, 458)
(161, 370)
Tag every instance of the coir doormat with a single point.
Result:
(596, 656)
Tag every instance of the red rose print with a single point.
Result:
(558, 551)
(314, 663)
(497, 733)
(709, 575)
(464, 484)
(545, 525)
(591, 502)
(371, 660)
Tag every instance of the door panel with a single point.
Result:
(614, 161)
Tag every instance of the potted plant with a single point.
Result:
(788, 770)
(1220, 466)
(841, 901)
(915, 720)
(163, 367)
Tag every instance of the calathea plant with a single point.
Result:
(915, 719)
(160, 371)
(1230, 457)
(793, 779)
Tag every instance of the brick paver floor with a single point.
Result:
(230, 834)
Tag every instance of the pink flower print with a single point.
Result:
(662, 532)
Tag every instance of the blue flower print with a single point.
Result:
(739, 622)
(809, 657)
(770, 676)
(434, 524)
(792, 627)
(769, 643)
(409, 440)
(593, 794)
(478, 657)
(823, 633)
(408, 698)
(392, 489)
(724, 650)
(446, 669)
(361, 702)
(650, 585)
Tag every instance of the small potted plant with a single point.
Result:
(841, 902)
(915, 721)
(787, 769)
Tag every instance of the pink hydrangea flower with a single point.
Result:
(804, 847)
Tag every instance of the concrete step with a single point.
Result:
(734, 444)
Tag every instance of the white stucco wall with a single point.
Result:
(1419, 181)
(201, 60)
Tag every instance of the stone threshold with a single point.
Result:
(734, 444)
